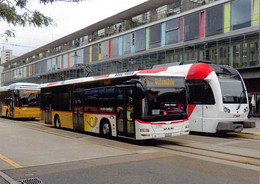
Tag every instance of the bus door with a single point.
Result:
(78, 110)
(125, 112)
(48, 109)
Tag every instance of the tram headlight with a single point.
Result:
(227, 110)
(245, 109)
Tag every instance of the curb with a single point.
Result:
(7, 178)
(251, 133)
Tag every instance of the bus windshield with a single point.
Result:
(28, 98)
(165, 101)
(232, 89)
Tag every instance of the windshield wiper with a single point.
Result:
(240, 99)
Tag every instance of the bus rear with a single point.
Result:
(26, 103)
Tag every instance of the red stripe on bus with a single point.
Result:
(155, 70)
(53, 83)
(199, 71)
(101, 76)
(174, 122)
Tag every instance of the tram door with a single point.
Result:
(125, 112)
(78, 110)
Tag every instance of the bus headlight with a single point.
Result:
(245, 109)
(227, 110)
(144, 130)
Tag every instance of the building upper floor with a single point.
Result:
(142, 14)
(201, 24)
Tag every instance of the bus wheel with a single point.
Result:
(105, 128)
(57, 122)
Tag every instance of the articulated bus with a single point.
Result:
(217, 96)
(132, 105)
(20, 100)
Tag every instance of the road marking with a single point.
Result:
(230, 142)
(9, 161)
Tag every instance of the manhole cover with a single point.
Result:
(31, 181)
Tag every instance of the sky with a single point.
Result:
(68, 17)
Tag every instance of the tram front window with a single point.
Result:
(232, 89)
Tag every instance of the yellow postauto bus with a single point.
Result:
(20, 100)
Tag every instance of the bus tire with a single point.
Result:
(105, 128)
(57, 121)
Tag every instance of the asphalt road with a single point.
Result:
(31, 150)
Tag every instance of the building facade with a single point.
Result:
(6, 55)
(225, 32)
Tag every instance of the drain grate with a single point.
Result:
(31, 181)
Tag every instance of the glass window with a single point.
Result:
(65, 61)
(240, 14)
(114, 47)
(170, 56)
(214, 20)
(140, 40)
(232, 89)
(59, 60)
(95, 52)
(53, 64)
(224, 52)
(105, 50)
(155, 36)
(200, 92)
(76, 57)
(172, 31)
(86, 55)
(127, 44)
(164, 103)
(49, 65)
(192, 26)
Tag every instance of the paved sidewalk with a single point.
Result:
(254, 131)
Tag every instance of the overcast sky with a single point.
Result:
(68, 16)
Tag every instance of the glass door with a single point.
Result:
(125, 112)
(78, 110)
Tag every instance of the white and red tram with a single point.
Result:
(218, 99)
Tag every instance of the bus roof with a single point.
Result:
(151, 72)
(23, 85)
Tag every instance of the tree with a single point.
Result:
(9, 14)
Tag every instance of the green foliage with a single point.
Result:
(9, 14)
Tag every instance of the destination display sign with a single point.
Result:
(162, 81)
